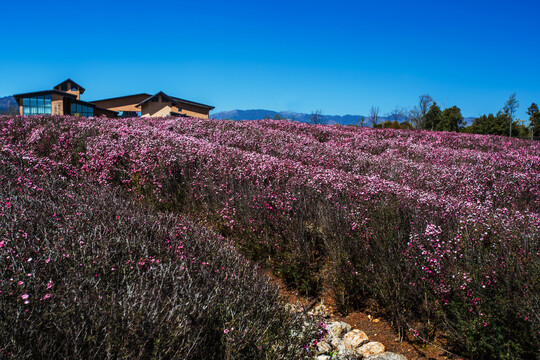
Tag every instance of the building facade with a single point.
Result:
(65, 99)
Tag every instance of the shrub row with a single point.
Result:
(85, 273)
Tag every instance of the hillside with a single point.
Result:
(438, 229)
(7, 104)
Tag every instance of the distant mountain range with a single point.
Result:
(258, 114)
(7, 104)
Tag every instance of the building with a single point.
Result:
(160, 104)
(65, 99)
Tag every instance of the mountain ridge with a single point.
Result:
(257, 114)
(8, 105)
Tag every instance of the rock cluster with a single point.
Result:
(342, 342)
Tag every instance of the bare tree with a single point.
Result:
(374, 115)
(510, 108)
(317, 117)
(396, 114)
(416, 117)
(361, 122)
(424, 102)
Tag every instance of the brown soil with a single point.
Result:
(376, 327)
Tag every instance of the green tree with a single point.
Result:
(510, 108)
(451, 120)
(432, 118)
(534, 119)
(495, 125)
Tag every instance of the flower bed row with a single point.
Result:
(85, 274)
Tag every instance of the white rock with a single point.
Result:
(355, 338)
(324, 357)
(371, 348)
(338, 329)
(319, 310)
(386, 356)
(337, 344)
(323, 347)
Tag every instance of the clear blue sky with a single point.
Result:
(338, 56)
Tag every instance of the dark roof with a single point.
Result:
(81, 89)
(194, 103)
(44, 92)
(120, 97)
(84, 103)
(175, 101)
(163, 95)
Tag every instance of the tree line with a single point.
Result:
(428, 115)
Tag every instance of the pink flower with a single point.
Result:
(25, 296)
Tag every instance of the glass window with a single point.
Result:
(37, 105)
(82, 110)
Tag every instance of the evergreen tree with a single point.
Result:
(534, 119)
(451, 120)
(510, 108)
(432, 118)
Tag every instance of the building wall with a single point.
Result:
(77, 93)
(57, 104)
(57, 107)
(125, 103)
(156, 109)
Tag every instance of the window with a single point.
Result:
(82, 110)
(37, 105)
(127, 114)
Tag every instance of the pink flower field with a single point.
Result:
(441, 229)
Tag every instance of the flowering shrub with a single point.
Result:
(440, 228)
(87, 274)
